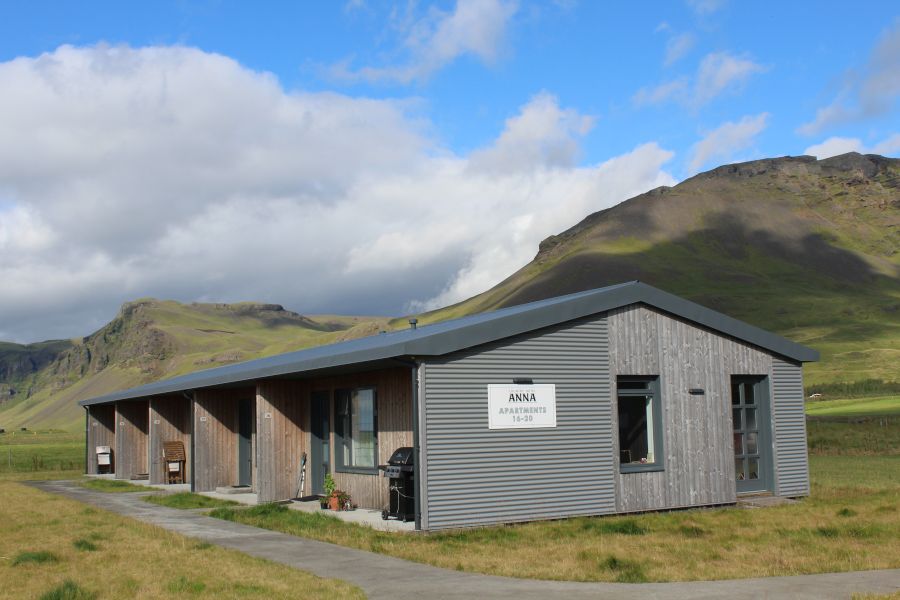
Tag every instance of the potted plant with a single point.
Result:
(330, 486)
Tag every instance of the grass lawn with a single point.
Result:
(851, 522)
(852, 407)
(188, 500)
(113, 486)
(31, 451)
(862, 436)
(54, 547)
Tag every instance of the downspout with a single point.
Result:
(87, 430)
(190, 397)
(417, 463)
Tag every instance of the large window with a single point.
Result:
(355, 429)
(640, 424)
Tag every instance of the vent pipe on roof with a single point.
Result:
(412, 323)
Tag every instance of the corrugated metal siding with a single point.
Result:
(480, 476)
(791, 462)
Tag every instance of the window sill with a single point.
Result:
(357, 470)
(640, 468)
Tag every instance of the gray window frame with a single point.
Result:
(653, 389)
(340, 441)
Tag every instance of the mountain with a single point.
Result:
(803, 247)
(809, 249)
(150, 339)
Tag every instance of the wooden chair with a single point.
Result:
(174, 460)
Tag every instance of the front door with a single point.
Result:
(245, 444)
(752, 444)
(320, 457)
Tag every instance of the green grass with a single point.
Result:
(850, 522)
(131, 560)
(84, 545)
(114, 486)
(857, 435)
(853, 407)
(68, 590)
(861, 473)
(188, 500)
(36, 451)
(34, 558)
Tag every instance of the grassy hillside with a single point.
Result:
(149, 340)
(809, 249)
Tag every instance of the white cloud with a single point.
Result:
(717, 74)
(705, 7)
(834, 146)
(500, 246)
(888, 146)
(720, 72)
(474, 27)
(171, 172)
(676, 89)
(677, 47)
(727, 139)
(541, 135)
(870, 92)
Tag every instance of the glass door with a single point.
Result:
(752, 446)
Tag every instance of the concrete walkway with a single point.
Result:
(359, 516)
(392, 578)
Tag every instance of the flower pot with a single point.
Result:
(334, 503)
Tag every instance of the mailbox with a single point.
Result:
(104, 459)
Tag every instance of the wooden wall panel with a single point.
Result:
(282, 431)
(285, 436)
(697, 430)
(394, 397)
(101, 432)
(215, 431)
(131, 438)
(170, 421)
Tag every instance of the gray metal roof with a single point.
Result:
(458, 334)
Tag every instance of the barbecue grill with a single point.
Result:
(402, 495)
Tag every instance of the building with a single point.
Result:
(615, 400)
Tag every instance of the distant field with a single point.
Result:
(37, 451)
(879, 405)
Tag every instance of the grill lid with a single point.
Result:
(402, 456)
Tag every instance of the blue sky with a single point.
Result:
(133, 129)
(594, 57)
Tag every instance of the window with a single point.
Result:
(640, 424)
(355, 419)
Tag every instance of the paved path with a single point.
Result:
(392, 578)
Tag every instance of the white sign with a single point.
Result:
(521, 406)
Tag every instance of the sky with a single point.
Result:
(382, 158)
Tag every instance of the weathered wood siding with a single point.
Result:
(697, 430)
(101, 432)
(282, 431)
(394, 404)
(131, 438)
(216, 437)
(170, 421)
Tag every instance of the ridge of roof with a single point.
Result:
(444, 337)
